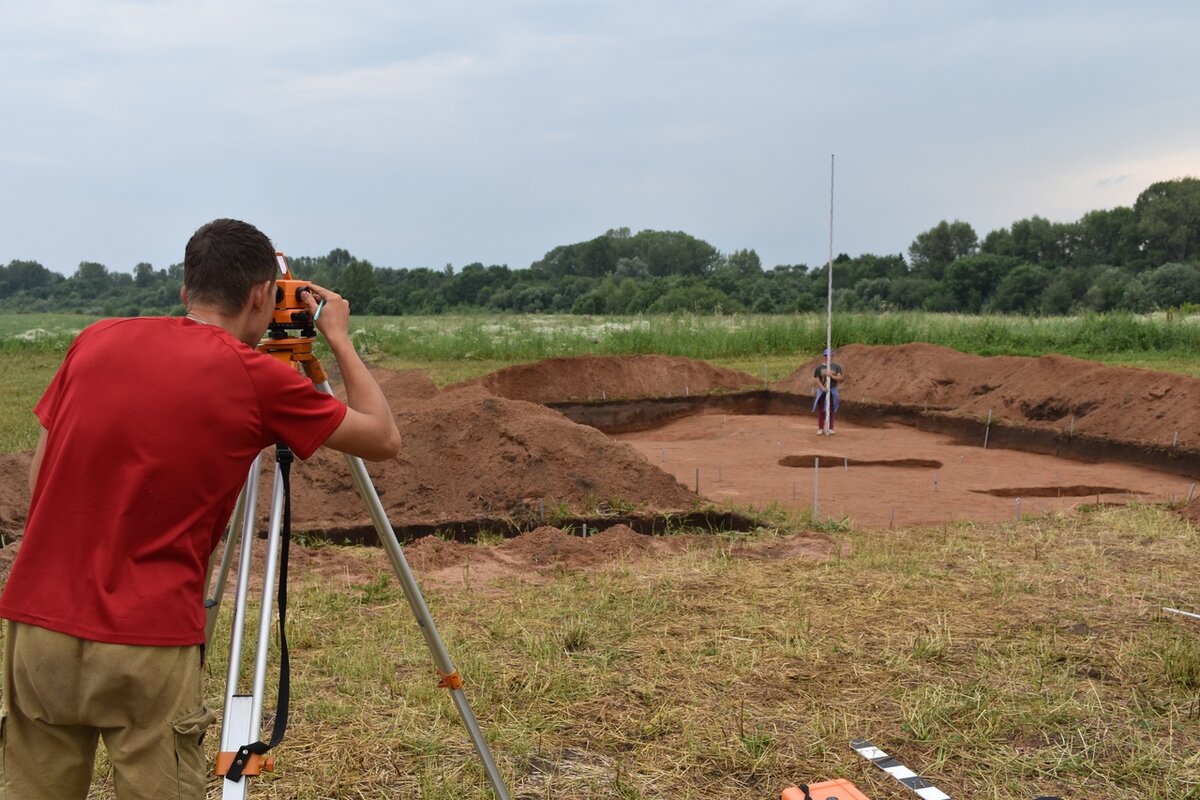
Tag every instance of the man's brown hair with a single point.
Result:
(223, 260)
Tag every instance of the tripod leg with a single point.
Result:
(450, 678)
(212, 603)
(441, 658)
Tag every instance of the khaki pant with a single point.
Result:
(61, 694)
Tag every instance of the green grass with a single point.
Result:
(25, 378)
(1000, 661)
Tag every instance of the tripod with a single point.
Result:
(242, 752)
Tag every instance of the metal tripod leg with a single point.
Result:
(416, 601)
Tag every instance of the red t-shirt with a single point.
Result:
(153, 424)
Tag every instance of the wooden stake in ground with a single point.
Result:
(816, 489)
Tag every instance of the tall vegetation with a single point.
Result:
(1126, 259)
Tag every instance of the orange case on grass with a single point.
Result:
(840, 789)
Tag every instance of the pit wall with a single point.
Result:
(469, 530)
(626, 416)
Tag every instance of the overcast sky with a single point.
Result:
(420, 134)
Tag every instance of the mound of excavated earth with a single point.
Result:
(469, 454)
(548, 549)
(1053, 392)
(595, 378)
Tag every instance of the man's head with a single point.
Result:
(223, 261)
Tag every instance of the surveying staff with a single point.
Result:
(148, 432)
(826, 381)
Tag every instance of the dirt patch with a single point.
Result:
(546, 550)
(1057, 393)
(593, 378)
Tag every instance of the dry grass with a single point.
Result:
(1000, 661)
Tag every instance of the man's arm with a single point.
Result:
(36, 466)
(369, 428)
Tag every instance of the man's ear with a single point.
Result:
(262, 294)
(183, 295)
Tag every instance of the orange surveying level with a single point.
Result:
(292, 330)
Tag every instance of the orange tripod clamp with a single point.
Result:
(255, 764)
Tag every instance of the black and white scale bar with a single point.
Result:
(924, 789)
(912, 780)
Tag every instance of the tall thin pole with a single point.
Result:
(829, 316)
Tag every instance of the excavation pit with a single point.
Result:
(884, 474)
(1056, 491)
(814, 460)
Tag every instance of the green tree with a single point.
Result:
(744, 262)
(972, 279)
(1173, 285)
(22, 276)
(358, 284)
(1168, 215)
(935, 249)
(1035, 240)
(1108, 237)
(144, 276)
(1020, 290)
(90, 279)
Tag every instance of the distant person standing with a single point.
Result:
(826, 380)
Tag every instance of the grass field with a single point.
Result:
(999, 660)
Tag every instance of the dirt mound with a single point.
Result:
(619, 542)
(430, 553)
(468, 454)
(549, 549)
(399, 385)
(1191, 512)
(593, 378)
(1058, 392)
(548, 546)
(14, 491)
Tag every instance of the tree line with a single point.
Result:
(1132, 259)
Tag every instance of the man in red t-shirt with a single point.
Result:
(148, 431)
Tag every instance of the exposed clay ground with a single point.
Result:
(491, 450)
(893, 476)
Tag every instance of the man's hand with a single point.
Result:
(334, 321)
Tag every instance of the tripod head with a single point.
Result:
(292, 329)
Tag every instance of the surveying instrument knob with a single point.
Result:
(243, 753)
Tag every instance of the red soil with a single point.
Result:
(1117, 403)
(590, 378)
